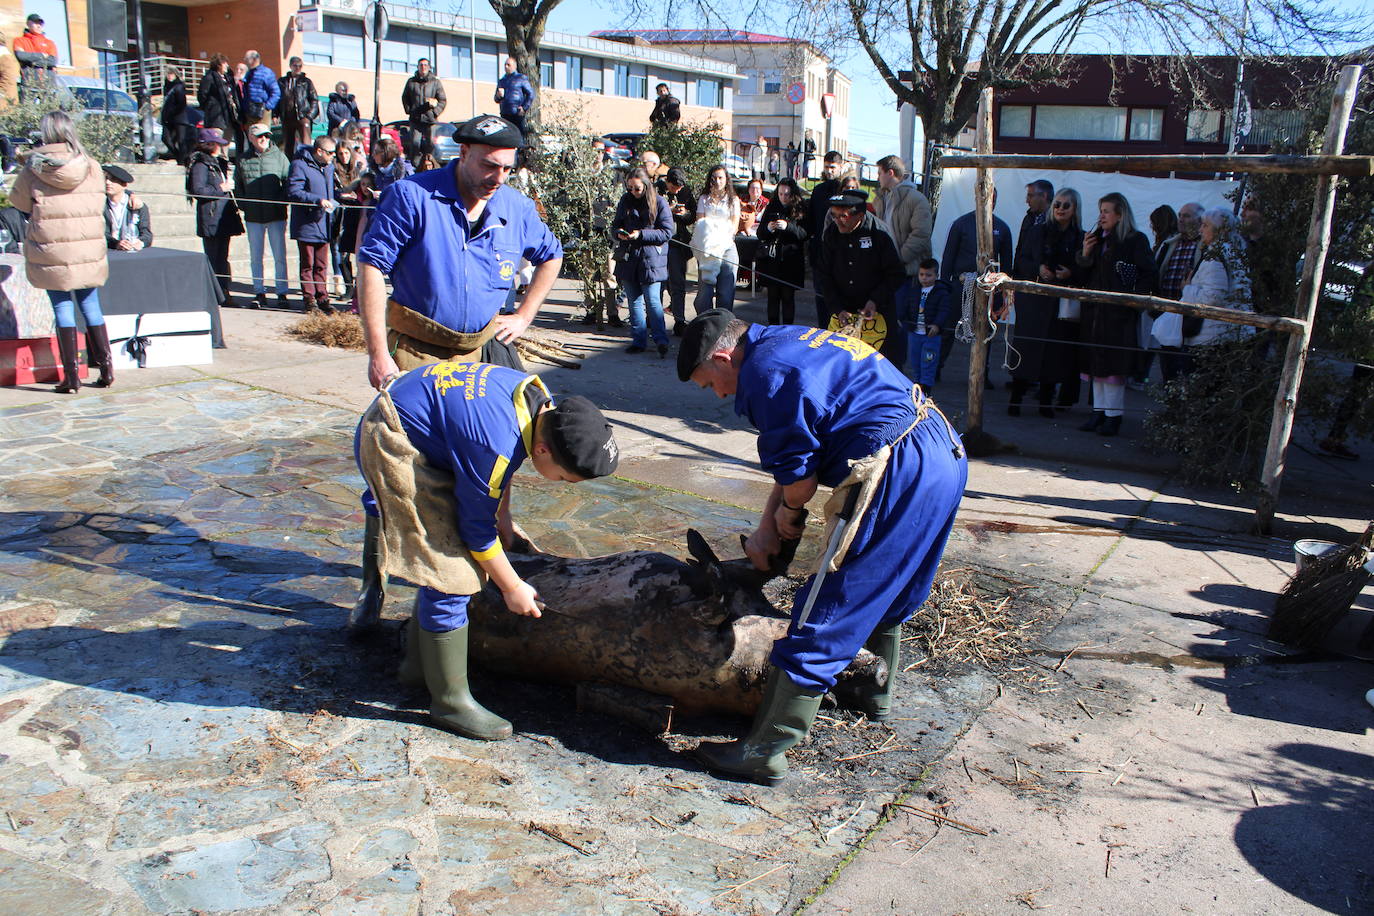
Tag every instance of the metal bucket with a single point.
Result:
(1306, 550)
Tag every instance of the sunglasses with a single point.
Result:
(1063, 205)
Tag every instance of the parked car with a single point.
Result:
(445, 148)
(736, 168)
(627, 141)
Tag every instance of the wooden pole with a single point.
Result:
(1154, 303)
(1309, 290)
(1345, 166)
(982, 208)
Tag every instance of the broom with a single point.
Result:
(1320, 594)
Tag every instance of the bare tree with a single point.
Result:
(950, 50)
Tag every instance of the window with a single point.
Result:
(1272, 125)
(54, 13)
(490, 58)
(1206, 127)
(772, 82)
(546, 74)
(404, 47)
(459, 62)
(1079, 122)
(339, 43)
(1015, 121)
(622, 79)
(574, 72)
(592, 76)
(709, 93)
(631, 81)
(1147, 124)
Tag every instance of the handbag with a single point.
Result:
(1168, 329)
(1070, 310)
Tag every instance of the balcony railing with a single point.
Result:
(124, 73)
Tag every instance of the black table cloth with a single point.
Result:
(163, 280)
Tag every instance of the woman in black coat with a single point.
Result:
(176, 132)
(217, 216)
(1115, 257)
(216, 97)
(782, 250)
(1063, 240)
(641, 229)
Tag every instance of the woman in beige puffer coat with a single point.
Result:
(63, 191)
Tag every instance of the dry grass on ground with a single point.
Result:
(342, 330)
(975, 617)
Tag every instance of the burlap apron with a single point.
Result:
(865, 474)
(419, 539)
(415, 340)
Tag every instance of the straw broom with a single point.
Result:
(1318, 596)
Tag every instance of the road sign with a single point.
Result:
(373, 27)
(796, 93)
(827, 105)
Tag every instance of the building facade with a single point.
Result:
(611, 83)
(769, 66)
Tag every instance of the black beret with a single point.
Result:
(581, 439)
(489, 130)
(118, 174)
(699, 340)
(850, 197)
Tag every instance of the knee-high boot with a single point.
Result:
(99, 355)
(782, 721)
(66, 347)
(876, 703)
(451, 704)
(367, 610)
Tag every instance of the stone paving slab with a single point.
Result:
(186, 729)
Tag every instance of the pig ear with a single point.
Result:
(700, 550)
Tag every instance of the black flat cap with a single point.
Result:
(581, 439)
(118, 174)
(850, 197)
(699, 340)
(489, 130)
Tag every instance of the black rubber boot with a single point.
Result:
(876, 704)
(99, 355)
(451, 706)
(66, 347)
(1110, 426)
(367, 610)
(1098, 418)
(783, 720)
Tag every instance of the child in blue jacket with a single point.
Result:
(925, 311)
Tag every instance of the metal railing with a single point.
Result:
(124, 73)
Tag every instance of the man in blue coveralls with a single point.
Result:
(831, 411)
(451, 241)
(438, 448)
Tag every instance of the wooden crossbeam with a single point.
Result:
(1154, 303)
(1345, 166)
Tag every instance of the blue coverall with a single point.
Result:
(476, 421)
(440, 265)
(819, 401)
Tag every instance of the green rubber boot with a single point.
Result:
(782, 721)
(367, 610)
(876, 703)
(444, 657)
(412, 672)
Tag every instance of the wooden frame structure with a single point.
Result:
(1326, 166)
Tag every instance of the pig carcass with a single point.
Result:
(697, 632)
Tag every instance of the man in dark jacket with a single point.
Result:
(310, 188)
(818, 206)
(961, 257)
(342, 107)
(261, 94)
(683, 204)
(515, 94)
(667, 109)
(300, 106)
(423, 100)
(176, 131)
(259, 182)
(859, 270)
(127, 226)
